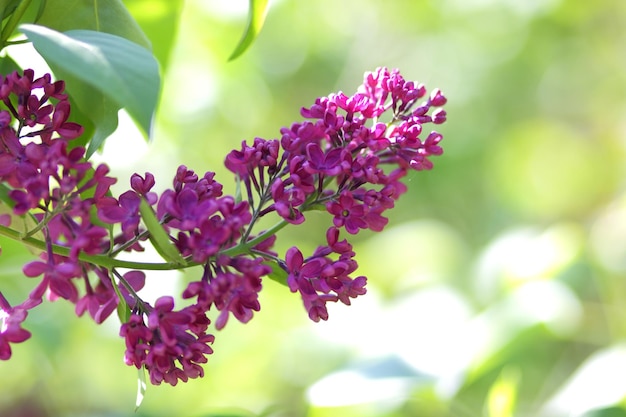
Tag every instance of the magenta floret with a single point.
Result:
(345, 158)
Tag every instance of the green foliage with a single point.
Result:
(256, 18)
(607, 412)
(122, 72)
(159, 238)
(534, 143)
(278, 274)
(7, 7)
(123, 310)
(107, 16)
(159, 20)
(141, 387)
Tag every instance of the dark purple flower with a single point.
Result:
(143, 186)
(286, 201)
(32, 113)
(166, 320)
(331, 163)
(348, 213)
(57, 278)
(102, 300)
(125, 211)
(11, 331)
(184, 176)
(137, 336)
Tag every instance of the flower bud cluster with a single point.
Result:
(345, 158)
(337, 159)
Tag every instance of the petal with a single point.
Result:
(294, 259)
(136, 279)
(35, 268)
(315, 154)
(164, 304)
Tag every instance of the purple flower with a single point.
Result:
(124, 211)
(102, 300)
(172, 345)
(32, 113)
(332, 163)
(57, 278)
(143, 186)
(11, 330)
(348, 213)
(60, 125)
(343, 248)
(186, 208)
(137, 336)
(300, 272)
(184, 176)
(343, 159)
(166, 320)
(286, 201)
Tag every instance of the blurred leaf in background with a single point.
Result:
(499, 283)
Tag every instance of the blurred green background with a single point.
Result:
(496, 290)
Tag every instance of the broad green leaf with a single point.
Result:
(122, 71)
(78, 116)
(109, 16)
(141, 387)
(159, 20)
(101, 112)
(93, 110)
(256, 17)
(278, 274)
(158, 236)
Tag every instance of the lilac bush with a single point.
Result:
(348, 157)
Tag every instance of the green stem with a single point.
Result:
(100, 260)
(13, 21)
(130, 243)
(140, 303)
(245, 247)
(39, 225)
(110, 263)
(18, 42)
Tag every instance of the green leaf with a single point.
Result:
(14, 13)
(123, 311)
(278, 274)
(141, 387)
(238, 196)
(93, 110)
(109, 16)
(256, 17)
(158, 236)
(8, 65)
(159, 20)
(122, 71)
(503, 394)
(7, 7)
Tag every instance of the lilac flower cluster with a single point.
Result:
(336, 159)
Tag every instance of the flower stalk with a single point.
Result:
(340, 159)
